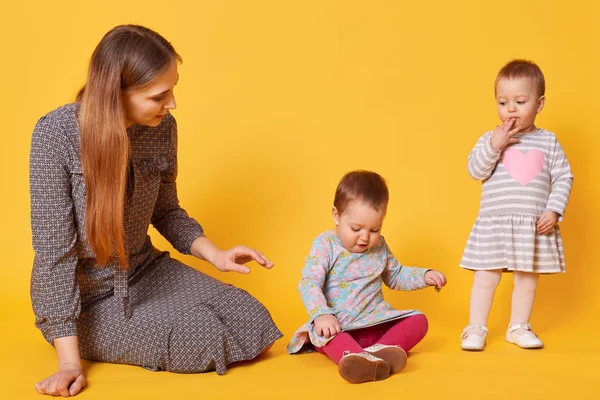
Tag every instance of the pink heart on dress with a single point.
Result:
(523, 167)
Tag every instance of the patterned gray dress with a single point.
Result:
(160, 314)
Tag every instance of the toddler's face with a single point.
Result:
(518, 99)
(359, 226)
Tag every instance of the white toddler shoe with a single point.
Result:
(528, 340)
(393, 355)
(473, 337)
(362, 367)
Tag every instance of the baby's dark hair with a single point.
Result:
(365, 186)
(517, 69)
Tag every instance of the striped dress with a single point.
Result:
(519, 184)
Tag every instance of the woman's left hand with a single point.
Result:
(228, 260)
(435, 278)
(235, 258)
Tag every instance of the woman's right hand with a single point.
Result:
(68, 381)
(327, 325)
(503, 135)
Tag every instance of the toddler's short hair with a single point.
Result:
(517, 69)
(366, 186)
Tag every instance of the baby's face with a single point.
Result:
(518, 99)
(359, 226)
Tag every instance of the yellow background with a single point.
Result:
(276, 101)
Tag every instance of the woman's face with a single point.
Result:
(149, 105)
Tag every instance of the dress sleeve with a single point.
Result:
(54, 287)
(399, 277)
(172, 221)
(483, 158)
(313, 279)
(562, 180)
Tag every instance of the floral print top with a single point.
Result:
(349, 286)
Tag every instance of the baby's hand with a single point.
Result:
(503, 135)
(435, 278)
(546, 222)
(327, 325)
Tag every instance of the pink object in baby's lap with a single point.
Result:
(523, 167)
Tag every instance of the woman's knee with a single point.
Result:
(247, 304)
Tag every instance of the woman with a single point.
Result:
(102, 170)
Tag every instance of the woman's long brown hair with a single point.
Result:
(128, 57)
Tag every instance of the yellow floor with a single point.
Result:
(437, 368)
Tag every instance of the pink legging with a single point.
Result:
(406, 333)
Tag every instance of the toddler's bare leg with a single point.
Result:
(525, 285)
(482, 295)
